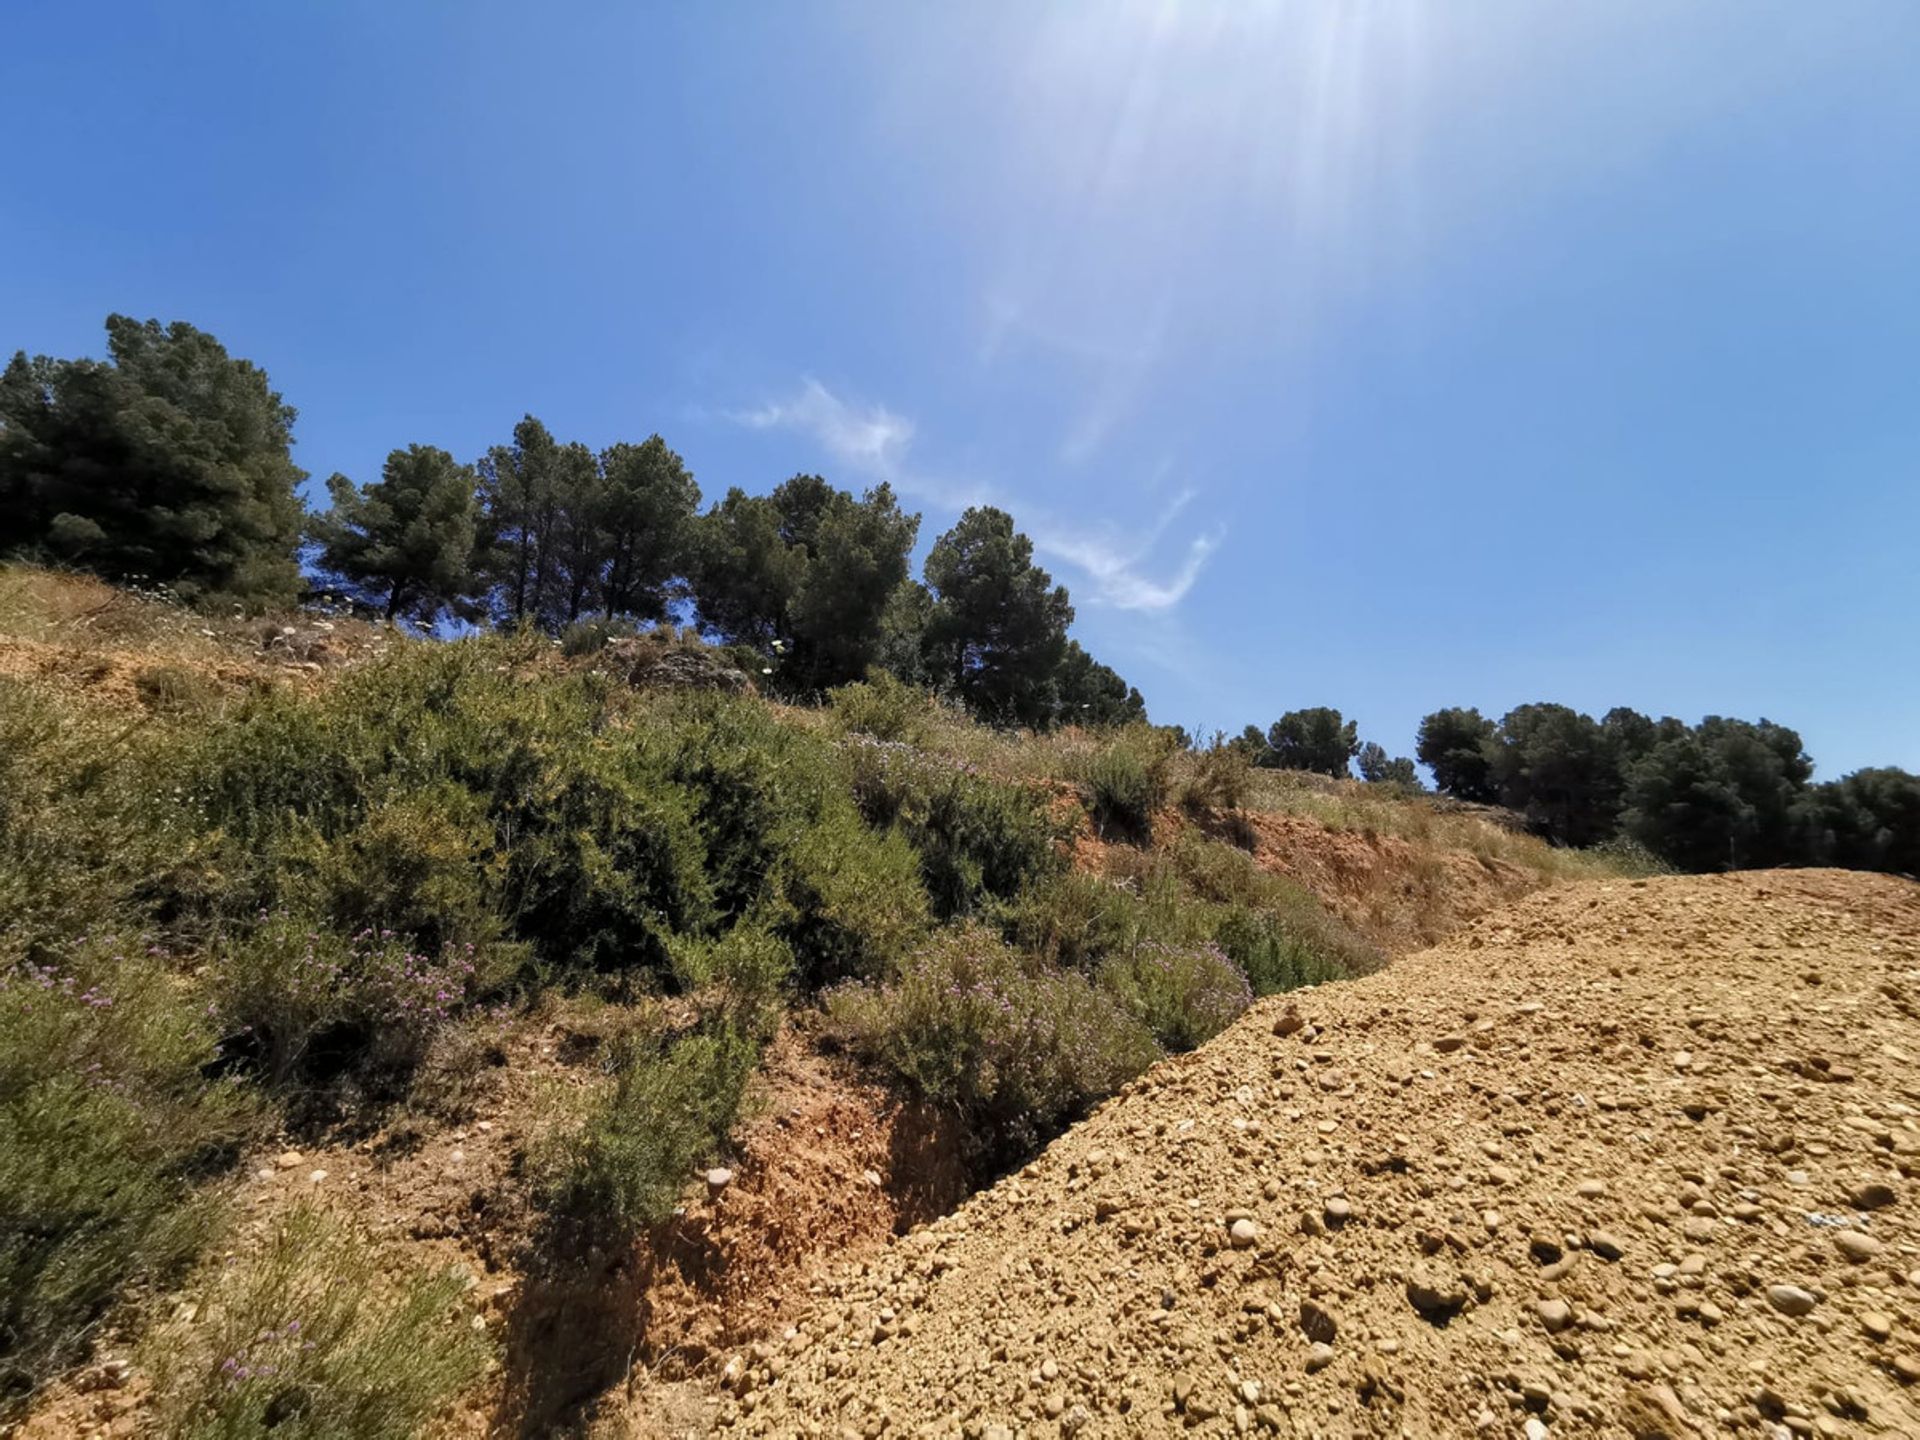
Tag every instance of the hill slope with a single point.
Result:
(1623, 1158)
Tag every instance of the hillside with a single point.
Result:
(458, 966)
(1624, 1158)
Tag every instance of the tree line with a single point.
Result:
(169, 464)
(1725, 794)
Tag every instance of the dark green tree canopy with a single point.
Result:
(1553, 766)
(856, 561)
(647, 502)
(998, 633)
(406, 542)
(1090, 693)
(1317, 739)
(171, 463)
(1378, 768)
(1457, 745)
(1725, 796)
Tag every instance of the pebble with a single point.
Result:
(1791, 1299)
(1556, 1315)
(1535, 1428)
(1605, 1244)
(288, 1159)
(718, 1179)
(1856, 1246)
(1243, 1233)
(1872, 1196)
(316, 1176)
(1337, 1211)
(1591, 1189)
(1878, 1325)
(1319, 1356)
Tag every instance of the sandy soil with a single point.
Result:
(1630, 1158)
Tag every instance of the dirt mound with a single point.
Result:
(1622, 1158)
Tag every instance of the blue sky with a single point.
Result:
(1382, 356)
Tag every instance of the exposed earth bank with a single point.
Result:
(1622, 1158)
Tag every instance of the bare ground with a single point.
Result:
(1628, 1158)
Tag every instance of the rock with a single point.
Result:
(718, 1179)
(1605, 1244)
(316, 1177)
(1556, 1315)
(1447, 1044)
(1591, 1189)
(1319, 1356)
(1289, 1022)
(1878, 1326)
(1317, 1324)
(288, 1159)
(1791, 1299)
(1856, 1246)
(1906, 1369)
(1437, 1298)
(647, 667)
(1872, 1196)
(1243, 1233)
(1535, 1428)
(1337, 1211)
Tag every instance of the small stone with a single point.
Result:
(1319, 1356)
(1878, 1325)
(1243, 1233)
(288, 1159)
(1317, 1324)
(1535, 1428)
(1337, 1212)
(1791, 1299)
(1591, 1189)
(1906, 1369)
(316, 1176)
(1872, 1196)
(1556, 1315)
(1856, 1246)
(1447, 1044)
(1438, 1298)
(718, 1179)
(1605, 1244)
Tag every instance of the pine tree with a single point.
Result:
(999, 626)
(169, 464)
(406, 542)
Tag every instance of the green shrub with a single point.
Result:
(978, 839)
(1219, 777)
(308, 1002)
(784, 839)
(883, 707)
(1128, 780)
(105, 1125)
(1283, 950)
(1019, 1047)
(590, 637)
(668, 1104)
(174, 690)
(316, 1338)
(1184, 994)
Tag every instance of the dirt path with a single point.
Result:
(1630, 1158)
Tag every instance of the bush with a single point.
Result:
(590, 637)
(883, 707)
(175, 690)
(1017, 1046)
(1128, 781)
(978, 839)
(1184, 994)
(310, 1003)
(668, 1104)
(1218, 778)
(105, 1125)
(784, 839)
(1279, 952)
(317, 1339)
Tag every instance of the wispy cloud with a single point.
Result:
(875, 442)
(874, 439)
